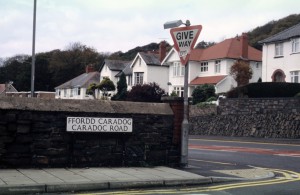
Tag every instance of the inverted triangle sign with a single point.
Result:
(184, 40)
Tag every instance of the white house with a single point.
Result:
(127, 71)
(212, 65)
(76, 88)
(147, 68)
(281, 56)
(112, 68)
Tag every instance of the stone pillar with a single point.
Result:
(176, 104)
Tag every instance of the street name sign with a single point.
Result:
(184, 40)
(91, 124)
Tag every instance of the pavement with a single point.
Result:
(56, 180)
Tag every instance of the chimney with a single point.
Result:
(89, 68)
(162, 51)
(245, 45)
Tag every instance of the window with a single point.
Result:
(295, 76)
(178, 69)
(139, 61)
(72, 92)
(129, 82)
(217, 66)
(78, 91)
(65, 92)
(278, 49)
(295, 45)
(179, 91)
(204, 67)
(138, 78)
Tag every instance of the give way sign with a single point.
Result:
(184, 40)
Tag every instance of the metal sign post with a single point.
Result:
(184, 41)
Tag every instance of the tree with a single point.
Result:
(106, 85)
(203, 92)
(241, 72)
(146, 93)
(204, 45)
(91, 89)
(121, 89)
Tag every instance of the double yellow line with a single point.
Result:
(287, 176)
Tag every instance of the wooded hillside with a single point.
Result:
(58, 66)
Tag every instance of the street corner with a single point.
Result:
(251, 173)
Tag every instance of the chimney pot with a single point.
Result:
(89, 68)
(162, 51)
(245, 45)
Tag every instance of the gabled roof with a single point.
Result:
(289, 33)
(207, 80)
(150, 58)
(127, 71)
(10, 88)
(83, 80)
(229, 48)
(116, 65)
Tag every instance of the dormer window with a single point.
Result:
(278, 49)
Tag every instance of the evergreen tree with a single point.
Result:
(121, 89)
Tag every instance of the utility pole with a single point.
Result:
(33, 51)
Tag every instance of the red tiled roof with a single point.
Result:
(229, 48)
(207, 80)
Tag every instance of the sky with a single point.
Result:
(121, 25)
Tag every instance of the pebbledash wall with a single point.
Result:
(248, 117)
(33, 134)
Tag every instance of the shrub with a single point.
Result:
(202, 93)
(265, 89)
(146, 93)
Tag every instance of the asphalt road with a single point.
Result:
(209, 154)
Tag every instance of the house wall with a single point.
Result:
(68, 95)
(33, 134)
(139, 66)
(289, 61)
(159, 75)
(249, 117)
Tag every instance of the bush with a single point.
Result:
(202, 93)
(146, 93)
(265, 90)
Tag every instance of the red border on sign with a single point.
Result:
(199, 27)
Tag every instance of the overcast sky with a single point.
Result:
(120, 25)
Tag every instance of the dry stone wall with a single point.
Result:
(265, 117)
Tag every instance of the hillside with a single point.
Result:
(271, 28)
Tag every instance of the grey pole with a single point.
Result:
(33, 50)
(185, 122)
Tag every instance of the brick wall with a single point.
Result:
(33, 134)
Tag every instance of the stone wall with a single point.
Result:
(33, 134)
(266, 117)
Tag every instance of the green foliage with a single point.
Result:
(146, 93)
(130, 54)
(91, 89)
(106, 85)
(265, 90)
(241, 72)
(51, 68)
(212, 98)
(121, 89)
(271, 28)
(174, 94)
(204, 45)
(203, 92)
